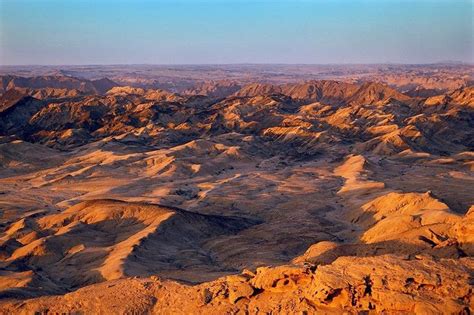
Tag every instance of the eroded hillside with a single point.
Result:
(322, 196)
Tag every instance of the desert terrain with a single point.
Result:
(253, 189)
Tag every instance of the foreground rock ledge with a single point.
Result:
(382, 284)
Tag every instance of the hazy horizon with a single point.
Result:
(213, 32)
(448, 62)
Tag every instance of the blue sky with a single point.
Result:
(234, 31)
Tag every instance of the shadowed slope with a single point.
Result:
(102, 240)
